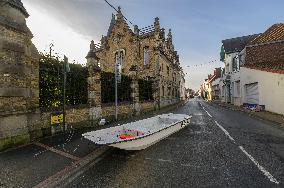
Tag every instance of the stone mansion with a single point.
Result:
(147, 51)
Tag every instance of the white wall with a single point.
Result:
(216, 82)
(222, 92)
(229, 62)
(270, 85)
(226, 94)
(235, 97)
(216, 86)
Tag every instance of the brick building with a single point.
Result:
(147, 51)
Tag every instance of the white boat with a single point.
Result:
(140, 134)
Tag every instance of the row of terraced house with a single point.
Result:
(253, 73)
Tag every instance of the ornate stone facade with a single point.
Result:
(148, 50)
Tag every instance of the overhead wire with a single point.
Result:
(117, 12)
(202, 64)
(189, 66)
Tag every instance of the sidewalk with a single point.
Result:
(264, 115)
(35, 163)
(54, 160)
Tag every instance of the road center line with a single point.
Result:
(206, 112)
(225, 131)
(164, 160)
(261, 168)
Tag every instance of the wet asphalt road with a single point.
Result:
(220, 148)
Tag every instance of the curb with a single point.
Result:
(68, 174)
(251, 114)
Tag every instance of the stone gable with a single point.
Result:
(133, 44)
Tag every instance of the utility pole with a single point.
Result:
(65, 70)
(116, 110)
(118, 64)
(50, 49)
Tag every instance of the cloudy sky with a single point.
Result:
(198, 25)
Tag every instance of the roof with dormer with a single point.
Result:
(237, 44)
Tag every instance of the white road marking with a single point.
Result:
(160, 160)
(205, 110)
(198, 114)
(225, 131)
(261, 168)
(164, 160)
(75, 150)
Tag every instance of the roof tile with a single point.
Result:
(274, 33)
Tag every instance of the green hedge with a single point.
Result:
(51, 83)
(145, 90)
(108, 88)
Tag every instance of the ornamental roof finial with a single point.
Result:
(119, 15)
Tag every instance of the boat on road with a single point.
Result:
(140, 134)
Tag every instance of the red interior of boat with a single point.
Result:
(125, 136)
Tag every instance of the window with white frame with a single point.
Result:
(146, 55)
(236, 63)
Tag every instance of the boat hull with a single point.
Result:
(140, 134)
(144, 142)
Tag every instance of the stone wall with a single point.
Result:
(19, 75)
(76, 118)
(124, 110)
(147, 106)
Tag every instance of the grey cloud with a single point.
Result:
(88, 17)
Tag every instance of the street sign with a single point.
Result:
(56, 119)
(118, 73)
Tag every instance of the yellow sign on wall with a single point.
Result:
(56, 119)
